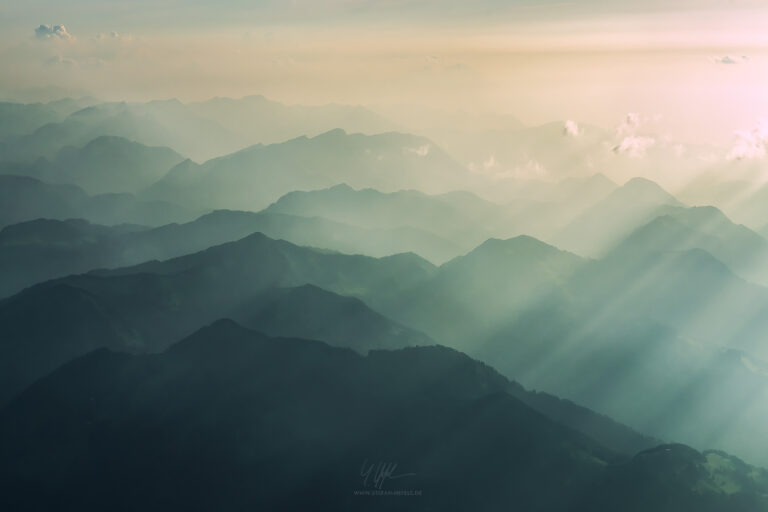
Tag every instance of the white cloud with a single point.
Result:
(635, 146)
(629, 125)
(750, 144)
(727, 59)
(116, 36)
(484, 167)
(530, 169)
(571, 128)
(628, 139)
(52, 32)
(421, 150)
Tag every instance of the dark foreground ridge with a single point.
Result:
(230, 419)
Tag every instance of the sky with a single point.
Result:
(700, 66)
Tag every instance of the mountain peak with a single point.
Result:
(169, 101)
(522, 247)
(217, 337)
(341, 187)
(639, 181)
(520, 242)
(257, 98)
(643, 188)
(334, 133)
(600, 178)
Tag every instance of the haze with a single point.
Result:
(700, 66)
(504, 255)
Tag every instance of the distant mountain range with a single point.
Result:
(253, 178)
(104, 165)
(23, 198)
(460, 217)
(200, 131)
(737, 188)
(601, 226)
(45, 249)
(126, 227)
(707, 228)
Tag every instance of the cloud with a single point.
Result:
(530, 169)
(635, 146)
(115, 36)
(421, 150)
(571, 128)
(484, 167)
(629, 141)
(52, 32)
(629, 125)
(727, 59)
(750, 144)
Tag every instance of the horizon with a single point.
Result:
(698, 68)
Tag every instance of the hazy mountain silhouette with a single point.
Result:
(104, 165)
(288, 423)
(461, 217)
(676, 331)
(20, 118)
(470, 295)
(17, 119)
(254, 177)
(310, 312)
(665, 330)
(259, 119)
(742, 197)
(225, 225)
(542, 208)
(654, 325)
(626, 208)
(157, 302)
(82, 126)
(44, 249)
(558, 322)
(23, 198)
(707, 228)
(201, 130)
(690, 291)
(660, 383)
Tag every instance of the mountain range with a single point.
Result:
(45, 248)
(23, 198)
(145, 307)
(289, 423)
(254, 177)
(201, 130)
(103, 165)
(542, 315)
(239, 304)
